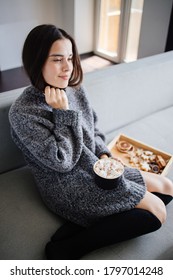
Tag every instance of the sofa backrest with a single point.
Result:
(10, 156)
(124, 93)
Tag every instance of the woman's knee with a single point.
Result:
(155, 205)
(168, 186)
(157, 183)
(160, 211)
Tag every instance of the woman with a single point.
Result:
(55, 127)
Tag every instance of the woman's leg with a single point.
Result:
(157, 185)
(72, 241)
(154, 205)
(166, 198)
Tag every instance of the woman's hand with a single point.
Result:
(56, 98)
(103, 156)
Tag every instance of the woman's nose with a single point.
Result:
(66, 65)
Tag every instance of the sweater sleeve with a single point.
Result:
(56, 143)
(99, 138)
(101, 147)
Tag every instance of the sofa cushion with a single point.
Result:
(11, 156)
(26, 223)
(122, 94)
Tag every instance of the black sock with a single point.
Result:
(107, 231)
(166, 198)
(66, 230)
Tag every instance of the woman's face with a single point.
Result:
(58, 67)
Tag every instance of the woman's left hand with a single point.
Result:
(103, 156)
(56, 98)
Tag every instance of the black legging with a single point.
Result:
(72, 241)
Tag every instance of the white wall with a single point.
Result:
(84, 25)
(68, 16)
(78, 20)
(154, 27)
(18, 17)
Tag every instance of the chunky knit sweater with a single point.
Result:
(61, 146)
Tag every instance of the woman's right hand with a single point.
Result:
(56, 98)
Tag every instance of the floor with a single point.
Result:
(16, 78)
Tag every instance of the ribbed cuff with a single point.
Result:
(134, 174)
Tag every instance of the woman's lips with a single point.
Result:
(64, 77)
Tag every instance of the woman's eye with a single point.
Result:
(61, 60)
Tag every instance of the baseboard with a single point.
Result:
(86, 55)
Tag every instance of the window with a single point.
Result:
(118, 29)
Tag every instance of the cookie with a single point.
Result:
(134, 160)
(160, 161)
(139, 152)
(152, 158)
(148, 153)
(145, 166)
(124, 146)
(144, 157)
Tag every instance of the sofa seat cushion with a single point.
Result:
(27, 223)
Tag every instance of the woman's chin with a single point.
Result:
(60, 86)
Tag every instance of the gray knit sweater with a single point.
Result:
(61, 147)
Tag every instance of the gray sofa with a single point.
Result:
(134, 99)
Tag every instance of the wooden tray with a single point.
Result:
(137, 144)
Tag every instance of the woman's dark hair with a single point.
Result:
(36, 49)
